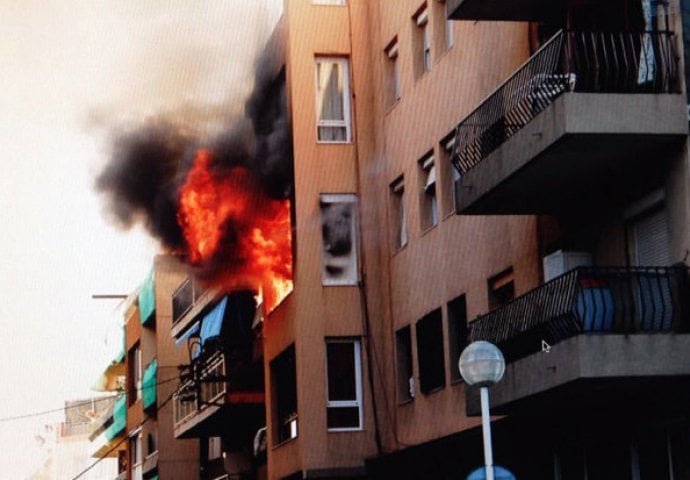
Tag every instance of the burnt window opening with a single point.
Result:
(344, 382)
(457, 334)
(403, 350)
(339, 239)
(501, 288)
(430, 352)
(284, 381)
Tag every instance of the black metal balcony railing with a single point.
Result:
(212, 386)
(184, 298)
(589, 300)
(571, 61)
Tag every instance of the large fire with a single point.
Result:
(228, 221)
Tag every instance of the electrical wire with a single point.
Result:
(122, 440)
(69, 407)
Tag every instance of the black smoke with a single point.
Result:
(149, 163)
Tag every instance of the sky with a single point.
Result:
(72, 73)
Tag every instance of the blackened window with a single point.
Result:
(403, 348)
(430, 352)
(283, 376)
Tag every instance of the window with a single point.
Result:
(214, 448)
(151, 442)
(421, 41)
(403, 351)
(135, 373)
(457, 334)
(443, 28)
(428, 200)
(392, 73)
(344, 375)
(501, 288)
(283, 378)
(328, 2)
(136, 455)
(339, 239)
(449, 175)
(398, 213)
(430, 352)
(333, 100)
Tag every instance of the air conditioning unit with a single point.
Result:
(559, 262)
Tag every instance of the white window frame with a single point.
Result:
(353, 256)
(357, 402)
(346, 123)
(137, 459)
(455, 175)
(328, 2)
(422, 21)
(391, 52)
(428, 166)
(402, 236)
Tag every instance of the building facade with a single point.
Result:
(463, 170)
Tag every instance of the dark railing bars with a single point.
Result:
(571, 61)
(589, 300)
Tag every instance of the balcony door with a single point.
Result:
(650, 248)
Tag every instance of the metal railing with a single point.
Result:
(589, 300)
(184, 298)
(212, 387)
(571, 61)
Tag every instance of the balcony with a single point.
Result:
(516, 10)
(594, 332)
(188, 301)
(588, 108)
(216, 397)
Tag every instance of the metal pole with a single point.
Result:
(486, 433)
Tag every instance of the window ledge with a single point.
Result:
(434, 390)
(402, 403)
(399, 249)
(428, 229)
(456, 381)
(284, 442)
(393, 105)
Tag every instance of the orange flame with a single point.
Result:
(230, 224)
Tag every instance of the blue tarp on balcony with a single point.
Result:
(147, 299)
(148, 385)
(213, 321)
(189, 333)
(119, 418)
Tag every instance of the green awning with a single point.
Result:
(148, 385)
(120, 357)
(119, 418)
(147, 299)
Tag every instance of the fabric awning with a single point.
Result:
(148, 385)
(189, 333)
(147, 299)
(119, 418)
(212, 323)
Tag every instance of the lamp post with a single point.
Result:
(482, 364)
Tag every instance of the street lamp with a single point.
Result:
(482, 364)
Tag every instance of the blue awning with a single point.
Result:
(190, 332)
(213, 321)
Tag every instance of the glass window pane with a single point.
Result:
(330, 91)
(332, 134)
(341, 371)
(343, 417)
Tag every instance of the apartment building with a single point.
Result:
(514, 173)
(463, 170)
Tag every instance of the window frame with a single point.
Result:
(346, 123)
(357, 401)
(422, 40)
(353, 255)
(136, 455)
(393, 74)
(429, 205)
(431, 363)
(404, 365)
(136, 373)
(400, 233)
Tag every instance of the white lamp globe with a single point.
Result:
(482, 364)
